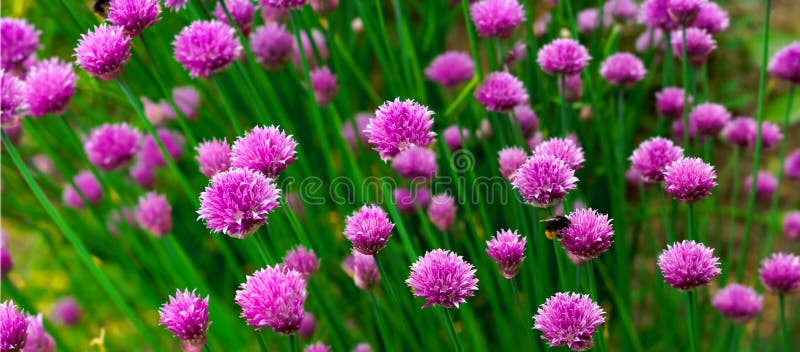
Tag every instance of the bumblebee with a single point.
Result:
(101, 7)
(553, 226)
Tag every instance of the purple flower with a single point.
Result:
(689, 179)
(324, 84)
(271, 44)
(651, 38)
(416, 163)
(544, 180)
(204, 47)
(408, 200)
(569, 319)
(780, 273)
(38, 340)
(455, 137)
(712, 18)
(526, 119)
(6, 262)
(12, 101)
(51, 84)
(265, 149)
(87, 185)
(317, 347)
(501, 91)
(589, 19)
(678, 127)
(766, 184)
(350, 128)
(442, 278)
(366, 275)
(621, 10)
(791, 165)
(622, 69)
(738, 302)
(362, 347)
(133, 15)
(574, 88)
(13, 327)
(507, 248)
(103, 51)
(791, 225)
(67, 311)
(241, 12)
(563, 57)
(651, 158)
(237, 202)
(175, 5)
(154, 214)
(541, 24)
(669, 102)
(187, 99)
(588, 235)
(151, 154)
(308, 49)
(185, 315)
(654, 14)
(324, 6)
(699, 45)
(442, 211)
(709, 118)
(770, 135)
(284, 3)
(515, 54)
(307, 326)
(213, 157)
(785, 64)
(398, 125)
(496, 18)
(20, 41)
(301, 260)
(143, 174)
(273, 297)
(684, 11)
(110, 147)
(273, 13)
(688, 264)
(740, 131)
(451, 68)
(565, 149)
(368, 229)
(510, 160)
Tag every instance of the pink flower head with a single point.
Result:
(651, 158)
(368, 229)
(213, 157)
(143, 174)
(241, 12)
(541, 24)
(689, 179)
(185, 315)
(366, 275)
(87, 185)
(133, 15)
(678, 128)
(621, 10)
(175, 5)
(317, 347)
(271, 44)
(67, 311)
(455, 137)
(507, 248)
(651, 38)
(398, 125)
(103, 51)
(496, 18)
(712, 18)
(791, 167)
(351, 128)
(296, 4)
(362, 347)
(510, 160)
(51, 84)
(237, 202)
(766, 185)
(785, 64)
(588, 235)
(451, 68)
(669, 102)
(20, 42)
(273, 13)
(544, 180)
(324, 84)
(308, 49)
(569, 319)
(307, 326)
(151, 154)
(654, 14)
(738, 302)
(770, 135)
(501, 91)
(565, 149)
(442, 278)
(791, 225)
(563, 57)
(12, 101)
(416, 163)
(780, 273)
(324, 6)
(38, 340)
(526, 119)
(301, 260)
(741, 131)
(688, 264)
(699, 44)
(154, 214)
(622, 69)
(684, 11)
(13, 327)
(265, 149)
(6, 262)
(709, 118)
(110, 147)
(273, 297)
(407, 200)
(442, 211)
(589, 19)
(187, 99)
(574, 88)
(204, 47)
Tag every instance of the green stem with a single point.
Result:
(562, 278)
(690, 297)
(689, 221)
(473, 43)
(451, 329)
(601, 344)
(293, 342)
(522, 310)
(226, 105)
(773, 210)
(383, 337)
(665, 216)
(784, 333)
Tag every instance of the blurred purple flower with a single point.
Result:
(510, 159)
(301, 260)
(621, 10)
(67, 311)
(622, 69)
(38, 340)
(770, 135)
(738, 302)
(133, 15)
(273, 297)
(501, 91)
(154, 214)
(237, 202)
(143, 174)
(317, 347)
(442, 211)
(103, 51)
(526, 119)
(455, 137)
(365, 271)
(324, 84)
(741, 131)
(284, 3)
(654, 14)
(175, 5)
(650, 38)
(307, 326)
(688, 264)
(205, 47)
(710, 118)
(451, 68)
(699, 44)
(88, 185)
(785, 64)
(368, 229)
(110, 147)
(416, 163)
(507, 249)
(407, 200)
(271, 44)
(442, 278)
(20, 42)
(711, 18)
(185, 315)
(791, 225)
(266, 149)
(150, 153)
(50, 86)
(324, 7)
(564, 149)
(241, 12)
(362, 347)
(684, 11)
(766, 185)
(791, 165)
(669, 102)
(496, 18)
(213, 156)
(574, 88)
(12, 100)
(563, 57)
(589, 19)
(780, 273)
(569, 319)
(308, 49)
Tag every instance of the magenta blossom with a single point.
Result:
(20, 42)
(271, 44)
(301, 260)
(510, 159)
(780, 273)
(103, 51)
(544, 180)
(565, 149)
(622, 69)
(154, 214)
(451, 68)
(50, 86)
(588, 235)
(563, 57)
(496, 18)
(398, 125)
(688, 264)
(273, 297)
(442, 211)
(237, 202)
(738, 302)
(442, 278)
(501, 91)
(213, 156)
(185, 315)
(266, 149)
(569, 319)
(204, 47)
(368, 229)
(110, 147)
(507, 248)
(133, 15)
(689, 179)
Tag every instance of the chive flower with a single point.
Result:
(67, 312)
(368, 229)
(416, 163)
(669, 102)
(710, 118)
(213, 156)
(205, 47)
(791, 166)
(654, 14)
(241, 12)
(766, 185)
(588, 235)
(324, 85)
(678, 127)
(407, 200)
(236, 202)
(501, 91)
(133, 15)
(88, 185)
(791, 225)
(13, 327)
(38, 340)
(622, 69)
(510, 159)
(317, 347)
(308, 49)
(6, 262)
(185, 315)
(20, 43)
(451, 68)
(689, 179)
(150, 153)
(366, 275)
(111, 146)
(569, 319)
(271, 13)
(442, 211)
(785, 64)
(573, 88)
(398, 125)
(651, 158)
(307, 326)
(268, 150)
(650, 39)
(688, 264)
(362, 347)
(50, 86)
(143, 174)
(273, 297)
(780, 273)
(357, 126)
(301, 260)
(154, 214)
(455, 137)
(621, 10)
(526, 119)
(324, 7)
(175, 5)
(271, 45)
(507, 249)
(699, 44)
(711, 18)
(103, 51)
(544, 180)
(740, 131)
(12, 100)
(496, 18)
(770, 135)
(684, 11)
(738, 302)
(442, 278)
(589, 19)
(565, 149)
(296, 4)
(563, 57)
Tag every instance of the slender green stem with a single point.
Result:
(522, 310)
(685, 70)
(293, 342)
(690, 297)
(226, 105)
(473, 43)
(601, 343)
(451, 329)
(383, 337)
(665, 216)
(690, 221)
(784, 333)
(773, 210)
(562, 276)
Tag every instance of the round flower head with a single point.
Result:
(408, 200)
(510, 159)
(651, 158)
(654, 14)
(689, 179)
(766, 184)
(154, 214)
(213, 157)
(622, 69)
(443, 278)
(541, 24)
(588, 20)
(273, 297)
(133, 15)
(569, 319)
(103, 51)
(110, 147)
(588, 235)
(496, 18)
(187, 99)
(712, 18)
(284, 3)
(324, 6)
(451, 68)
(205, 47)
(398, 125)
(709, 118)
(699, 45)
(362, 347)
(501, 91)
(271, 44)
(308, 49)
(67, 311)
(265, 149)
(565, 149)
(669, 102)
(271, 13)
(544, 180)
(507, 248)
(526, 119)
(738, 302)
(38, 340)
(317, 347)
(791, 225)
(20, 41)
(88, 185)
(307, 326)
(621, 10)
(237, 202)
(574, 88)
(688, 264)
(185, 315)
(780, 273)
(324, 84)
(740, 131)
(366, 275)
(156, 113)
(12, 101)
(51, 84)
(351, 128)
(634, 178)
(13, 327)
(455, 137)
(416, 163)
(241, 12)
(770, 135)
(785, 64)
(143, 174)
(651, 38)
(151, 154)
(175, 5)
(684, 11)
(301, 260)
(563, 57)
(791, 167)
(368, 229)
(442, 211)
